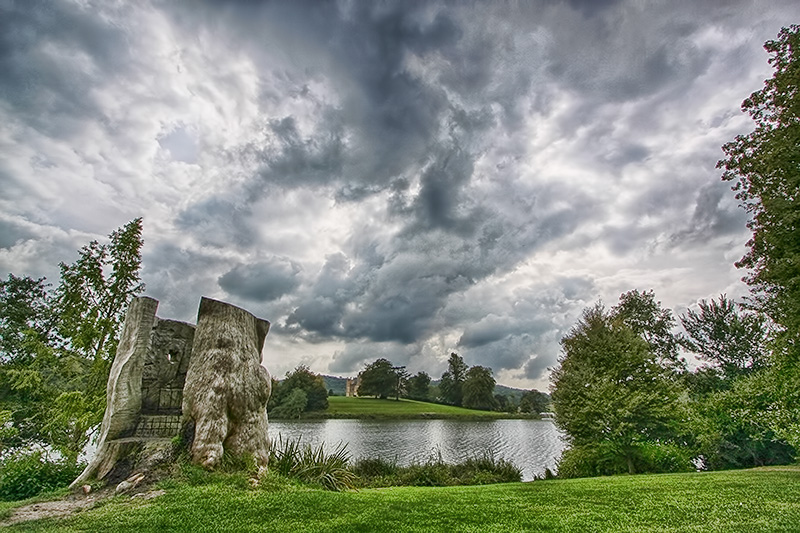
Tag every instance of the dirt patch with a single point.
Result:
(54, 509)
(67, 506)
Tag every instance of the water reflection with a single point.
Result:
(532, 445)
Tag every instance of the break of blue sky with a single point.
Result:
(385, 179)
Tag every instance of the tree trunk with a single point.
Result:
(227, 389)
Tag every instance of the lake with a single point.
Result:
(532, 445)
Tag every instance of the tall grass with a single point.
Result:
(313, 464)
(334, 471)
(435, 472)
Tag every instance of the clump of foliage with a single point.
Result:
(419, 386)
(434, 472)
(452, 383)
(26, 474)
(603, 459)
(478, 389)
(534, 401)
(732, 394)
(763, 167)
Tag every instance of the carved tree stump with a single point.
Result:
(123, 390)
(227, 389)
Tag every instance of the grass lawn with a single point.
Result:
(766, 499)
(349, 407)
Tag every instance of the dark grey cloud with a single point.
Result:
(49, 55)
(263, 281)
(12, 233)
(711, 218)
(384, 179)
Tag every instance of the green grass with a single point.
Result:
(349, 407)
(757, 500)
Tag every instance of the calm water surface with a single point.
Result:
(532, 445)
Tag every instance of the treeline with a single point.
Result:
(628, 403)
(469, 387)
(624, 398)
(460, 385)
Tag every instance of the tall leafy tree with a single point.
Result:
(54, 368)
(640, 311)
(478, 389)
(764, 167)
(378, 379)
(25, 313)
(610, 389)
(452, 381)
(534, 401)
(419, 386)
(726, 336)
(301, 378)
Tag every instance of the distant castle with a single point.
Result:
(351, 386)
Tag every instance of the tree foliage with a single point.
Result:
(764, 167)
(452, 381)
(418, 387)
(315, 395)
(610, 388)
(646, 318)
(380, 379)
(478, 389)
(726, 337)
(534, 401)
(58, 345)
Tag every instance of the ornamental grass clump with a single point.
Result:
(313, 464)
(435, 472)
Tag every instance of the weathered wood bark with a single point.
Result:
(227, 389)
(124, 389)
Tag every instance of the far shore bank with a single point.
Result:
(344, 407)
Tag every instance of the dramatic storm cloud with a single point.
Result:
(385, 179)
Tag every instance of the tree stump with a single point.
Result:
(227, 389)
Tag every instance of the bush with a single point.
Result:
(605, 460)
(27, 474)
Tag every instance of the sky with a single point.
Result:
(386, 179)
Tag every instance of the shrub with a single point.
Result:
(605, 460)
(27, 474)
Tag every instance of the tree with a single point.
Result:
(453, 380)
(419, 387)
(725, 336)
(58, 346)
(645, 317)
(25, 311)
(478, 389)
(292, 406)
(301, 378)
(534, 402)
(378, 379)
(610, 389)
(764, 167)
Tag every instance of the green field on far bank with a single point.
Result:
(354, 407)
(765, 499)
